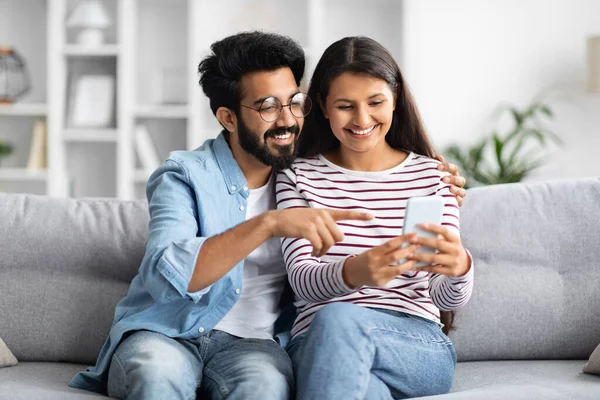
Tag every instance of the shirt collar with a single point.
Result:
(232, 174)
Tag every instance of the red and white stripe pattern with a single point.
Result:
(316, 182)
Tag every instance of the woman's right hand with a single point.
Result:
(376, 267)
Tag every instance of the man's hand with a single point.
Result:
(456, 180)
(317, 225)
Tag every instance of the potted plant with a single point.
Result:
(5, 150)
(515, 154)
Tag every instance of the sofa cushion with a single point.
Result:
(522, 380)
(593, 364)
(536, 271)
(65, 264)
(41, 381)
(7, 358)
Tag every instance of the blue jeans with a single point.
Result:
(149, 365)
(353, 352)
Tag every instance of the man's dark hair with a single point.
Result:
(243, 53)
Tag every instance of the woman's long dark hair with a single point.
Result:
(363, 55)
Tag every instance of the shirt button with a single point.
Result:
(245, 188)
(201, 329)
(237, 291)
(233, 187)
(242, 207)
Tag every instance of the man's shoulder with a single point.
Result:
(201, 159)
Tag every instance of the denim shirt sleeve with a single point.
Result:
(174, 241)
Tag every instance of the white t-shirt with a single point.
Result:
(257, 309)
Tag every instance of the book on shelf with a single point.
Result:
(37, 151)
(92, 101)
(145, 148)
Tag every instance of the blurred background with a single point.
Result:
(94, 94)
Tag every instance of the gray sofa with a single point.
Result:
(532, 322)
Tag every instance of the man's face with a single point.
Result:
(272, 143)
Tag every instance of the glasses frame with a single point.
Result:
(281, 108)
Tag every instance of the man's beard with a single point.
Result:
(285, 155)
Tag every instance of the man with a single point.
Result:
(200, 315)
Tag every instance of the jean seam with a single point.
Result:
(124, 373)
(366, 345)
(218, 380)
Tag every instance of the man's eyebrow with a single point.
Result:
(259, 101)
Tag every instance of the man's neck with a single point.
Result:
(256, 173)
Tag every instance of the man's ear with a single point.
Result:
(227, 118)
(322, 105)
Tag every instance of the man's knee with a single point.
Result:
(151, 362)
(254, 374)
(266, 381)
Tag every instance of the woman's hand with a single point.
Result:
(452, 259)
(455, 179)
(376, 267)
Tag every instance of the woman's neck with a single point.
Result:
(377, 159)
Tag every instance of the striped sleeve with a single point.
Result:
(312, 280)
(450, 293)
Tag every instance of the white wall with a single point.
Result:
(463, 58)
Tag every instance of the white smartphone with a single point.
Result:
(420, 210)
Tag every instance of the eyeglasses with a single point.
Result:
(271, 107)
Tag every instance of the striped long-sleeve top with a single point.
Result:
(318, 183)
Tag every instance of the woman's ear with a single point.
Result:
(227, 118)
(322, 105)
(395, 96)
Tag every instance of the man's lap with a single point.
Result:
(219, 363)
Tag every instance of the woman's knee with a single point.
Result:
(337, 316)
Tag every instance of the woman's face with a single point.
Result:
(360, 109)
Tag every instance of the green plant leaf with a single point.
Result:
(546, 110)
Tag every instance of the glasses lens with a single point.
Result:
(300, 105)
(270, 109)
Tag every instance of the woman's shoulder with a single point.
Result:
(424, 162)
(307, 164)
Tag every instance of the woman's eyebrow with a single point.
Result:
(351, 101)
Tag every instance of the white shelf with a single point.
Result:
(162, 111)
(23, 174)
(91, 135)
(106, 50)
(24, 110)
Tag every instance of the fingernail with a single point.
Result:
(446, 179)
(424, 225)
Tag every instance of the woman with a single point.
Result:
(367, 325)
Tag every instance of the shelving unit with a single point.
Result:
(152, 49)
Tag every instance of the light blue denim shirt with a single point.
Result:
(194, 195)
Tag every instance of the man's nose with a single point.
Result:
(286, 118)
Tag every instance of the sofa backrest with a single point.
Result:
(537, 271)
(64, 265)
